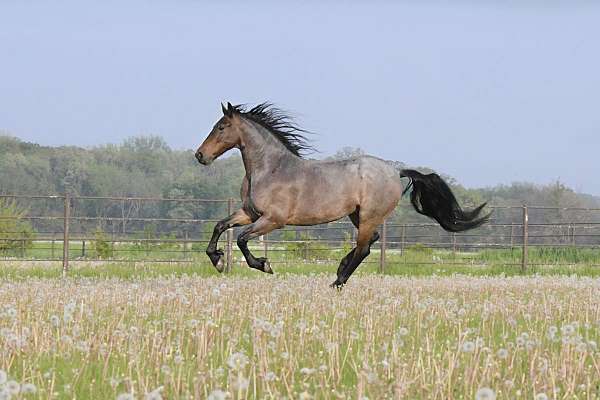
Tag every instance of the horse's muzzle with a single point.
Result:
(201, 159)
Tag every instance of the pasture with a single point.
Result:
(161, 331)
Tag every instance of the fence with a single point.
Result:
(126, 229)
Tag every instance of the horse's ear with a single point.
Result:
(231, 108)
(224, 109)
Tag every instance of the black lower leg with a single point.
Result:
(348, 257)
(260, 263)
(211, 250)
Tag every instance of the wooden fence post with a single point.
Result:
(383, 245)
(402, 239)
(525, 239)
(185, 246)
(67, 215)
(229, 239)
(266, 244)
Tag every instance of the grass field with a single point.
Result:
(179, 331)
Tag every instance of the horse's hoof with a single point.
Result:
(266, 265)
(337, 285)
(220, 265)
(216, 258)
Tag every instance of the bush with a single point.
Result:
(15, 233)
(419, 248)
(306, 247)
(101, 245)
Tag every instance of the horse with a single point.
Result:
(282, 187)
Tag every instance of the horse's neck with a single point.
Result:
(261, 152)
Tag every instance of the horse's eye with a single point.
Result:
(221, 127)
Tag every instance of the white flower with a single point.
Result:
(55, 321)
(241, 383)
(485, 394)
(178, 359)
(13, 387)
(402, 331)
(502, 353)
(307, 371)
(305, 396)
(3, 377)
(217, 395)
(567, 330)
(468, 347)
(28, 388)
(541, 396)
(165, 369)
(154, 395)
(237, 361)
(126, 396)
(270, 376)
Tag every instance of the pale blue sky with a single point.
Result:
(488, 91)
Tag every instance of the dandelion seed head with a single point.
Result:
(217, 395)
(485, 393)
(468, 347)
(237, 361)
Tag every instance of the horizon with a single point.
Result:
(483, 92)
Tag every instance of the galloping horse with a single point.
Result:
(283, 188)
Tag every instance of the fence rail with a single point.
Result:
(70, 228)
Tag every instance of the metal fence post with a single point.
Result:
(525, 239)
(67, 215)
(383, 245)
(229, 238)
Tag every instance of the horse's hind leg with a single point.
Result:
(238, 218)
(355, 221)
(261, 226)
(366, 233)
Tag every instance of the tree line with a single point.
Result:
(146, 166)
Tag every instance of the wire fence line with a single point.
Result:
(69, 228)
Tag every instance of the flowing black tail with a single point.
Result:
(432, 197)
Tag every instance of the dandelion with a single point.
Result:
(485, 394)
(55, 321)
(270, 376)
(541, 396)
(241, 383)
(154, 395)
(567, 330)
(13, 387)
(307, 371)
(217, 395)
(502, 353)
(3, 377)
(126, 396)
(178, 359)
(402, 331)
(237, 361)
(305, 396)
(28, 388)
(354, 335)
(468, 347)
(165, 369)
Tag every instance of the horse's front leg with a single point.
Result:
(261, 226)
(238, 218)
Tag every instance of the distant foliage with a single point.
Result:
(101, 244)
(15, 233)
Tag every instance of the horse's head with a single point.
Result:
(225, 135)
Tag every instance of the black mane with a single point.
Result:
(280, 124)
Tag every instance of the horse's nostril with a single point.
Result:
(199, 156)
